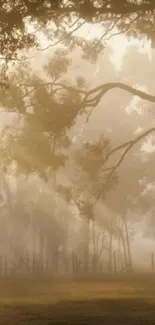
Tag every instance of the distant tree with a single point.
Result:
(28, 217)
(88, 179)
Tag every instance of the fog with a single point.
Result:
(43, 220)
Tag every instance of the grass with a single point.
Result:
(109, 301)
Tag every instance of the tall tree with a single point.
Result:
(88, 178)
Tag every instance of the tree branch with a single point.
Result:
(128, 146)
(103, 89)
(100, 90)
(62, 39)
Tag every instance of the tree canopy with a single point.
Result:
(134, 18)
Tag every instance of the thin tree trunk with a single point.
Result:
(100, 251)
(33, 250)
(110, 253)
(97, 251)
(86, 245)
(94, 266)
(128, 244)
(123, 243)
(124, 251)
(42, 249)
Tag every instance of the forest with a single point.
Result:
(77, 146)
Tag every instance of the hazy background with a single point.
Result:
(119, 116)
(131, 62)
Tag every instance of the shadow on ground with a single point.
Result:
(94, 312)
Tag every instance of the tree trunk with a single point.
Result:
(86, 245)
(128, 244)
(42, 251)
(110, 253)
(55, 261)
(94, 264)
(33, 250)
(124, 251)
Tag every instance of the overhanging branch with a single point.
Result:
(128, 146)
(101, 90)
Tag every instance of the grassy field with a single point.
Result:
(34, 300)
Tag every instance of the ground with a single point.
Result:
(41, 301)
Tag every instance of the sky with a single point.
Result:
(118, 43)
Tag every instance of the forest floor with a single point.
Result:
(102, 301)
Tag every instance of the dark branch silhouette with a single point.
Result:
(100, 90)
(128, 146)
(103, 89)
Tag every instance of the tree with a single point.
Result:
(87, 172)
(38, 140)
(48, 103)
(127, 16)
(28, 220)
(50, 107)
(130, 17)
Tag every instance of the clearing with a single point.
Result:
(40, 301)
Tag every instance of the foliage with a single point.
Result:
(89, 179)
(44, 111)
(131, 17)
(91, 160)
